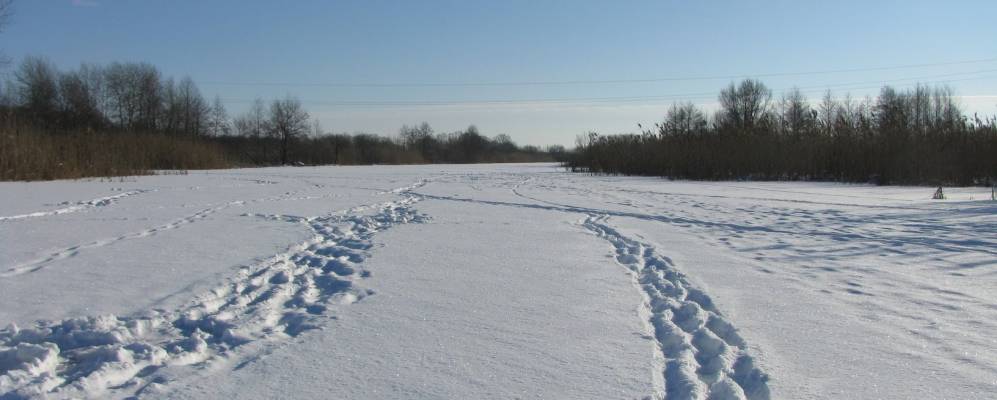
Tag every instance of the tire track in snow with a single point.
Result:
(272, 300)
(78, 206)
(700, 352)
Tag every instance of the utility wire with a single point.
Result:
(588, 82)
(627, 99)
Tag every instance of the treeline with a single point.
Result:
(914, 136)
(51, 121)
(413, 145)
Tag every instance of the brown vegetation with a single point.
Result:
(126, 119)
(917, 136)
(35, 156)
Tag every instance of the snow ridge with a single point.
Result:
(701, 354)
(76, 207)
(279, 298)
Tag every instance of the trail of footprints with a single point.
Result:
(701, 354)
(72, 251)
(277, 298)
(77, 206)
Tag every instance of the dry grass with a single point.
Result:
(29, 155)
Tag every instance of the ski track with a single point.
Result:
(76, 207)
(701, 355)
(279, 298)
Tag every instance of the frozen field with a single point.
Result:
(493, 281)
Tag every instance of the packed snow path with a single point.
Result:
(704, 355)
(515, 281)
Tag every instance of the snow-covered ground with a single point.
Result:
(493, 281)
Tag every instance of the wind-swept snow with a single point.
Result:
(493, 281)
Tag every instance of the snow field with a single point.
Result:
(492, 281)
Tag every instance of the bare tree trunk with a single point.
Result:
(283, 150)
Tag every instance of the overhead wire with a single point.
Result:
(630, 99)
(587, 82)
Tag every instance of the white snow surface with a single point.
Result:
(493, 281)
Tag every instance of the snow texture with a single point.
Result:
(493, 281)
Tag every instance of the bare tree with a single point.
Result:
(409, 136)
(797, 117)
(150, 102)
(946, 112)
(470, 145)
(38, 89)
(503, 143)
(133, 91)
(746, 106)
(170, 117)
(254, 124)
(288, 120)
(683, 119)
(94, 79)
(192, 108)
(420, 138)
(218, 123)
(828, 113)
(79, 106)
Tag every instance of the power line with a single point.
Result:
(630, 99)
(588, 82)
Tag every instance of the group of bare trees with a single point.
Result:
(469, 146)
(918, 135)
(121, 104)
(284, 122)
(414, 145)
(125, 97)
(134, 98)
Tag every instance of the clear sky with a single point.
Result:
(531, 69)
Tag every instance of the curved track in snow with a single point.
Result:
(111, 356)
(75, 207)
(702, 354)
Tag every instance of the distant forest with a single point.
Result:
(126, 118)
(913, 136)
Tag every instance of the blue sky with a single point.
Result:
(240, 50)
